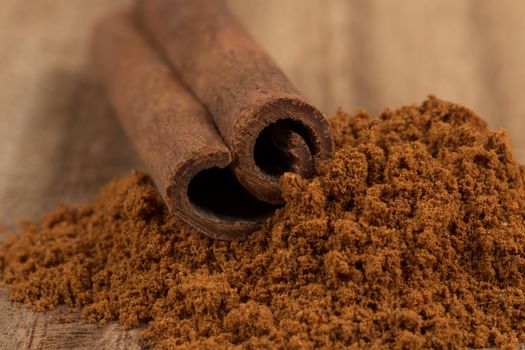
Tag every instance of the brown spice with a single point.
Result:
(413, 236)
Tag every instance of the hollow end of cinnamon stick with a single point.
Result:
(207, 197)
(286, 134)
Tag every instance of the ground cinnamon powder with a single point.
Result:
(412, 237)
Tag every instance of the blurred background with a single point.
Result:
(59, 142)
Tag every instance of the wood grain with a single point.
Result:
(60, 143)
(23, 329)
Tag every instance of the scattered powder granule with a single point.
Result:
(411, 237)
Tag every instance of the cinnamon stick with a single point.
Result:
(251, 101)
(174, 135)
(217, 171)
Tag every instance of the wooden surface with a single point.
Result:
(59, 142)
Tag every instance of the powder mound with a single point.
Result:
(411, 237)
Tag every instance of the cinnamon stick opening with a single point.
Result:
(216, 193)
(274, 148)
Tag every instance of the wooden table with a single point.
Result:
(59, 141)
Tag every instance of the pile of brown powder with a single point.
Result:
(412, 236)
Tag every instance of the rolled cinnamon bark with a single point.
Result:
(265, 122)
(174, 135)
